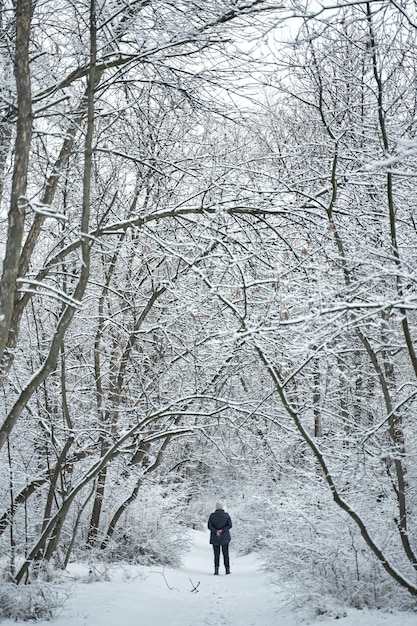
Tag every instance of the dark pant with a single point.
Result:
(225, 550)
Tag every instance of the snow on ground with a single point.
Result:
(147, 596)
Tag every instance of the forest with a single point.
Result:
(209, 286)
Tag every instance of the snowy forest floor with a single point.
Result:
(135, 595)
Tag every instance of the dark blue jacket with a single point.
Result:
(219, 520)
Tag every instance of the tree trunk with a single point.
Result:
(18, 201)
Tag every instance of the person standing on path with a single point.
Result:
(219, 524)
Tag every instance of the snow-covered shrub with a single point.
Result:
(316, 552)
(34, 602)
(151, 531)
(146, 545)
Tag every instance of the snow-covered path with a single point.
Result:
(245, 598)
(143, 596)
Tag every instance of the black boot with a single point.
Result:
(227, 570)
(216, 570)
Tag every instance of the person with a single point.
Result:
(219, 524)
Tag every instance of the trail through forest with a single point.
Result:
(192, 596)
(138, 595)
